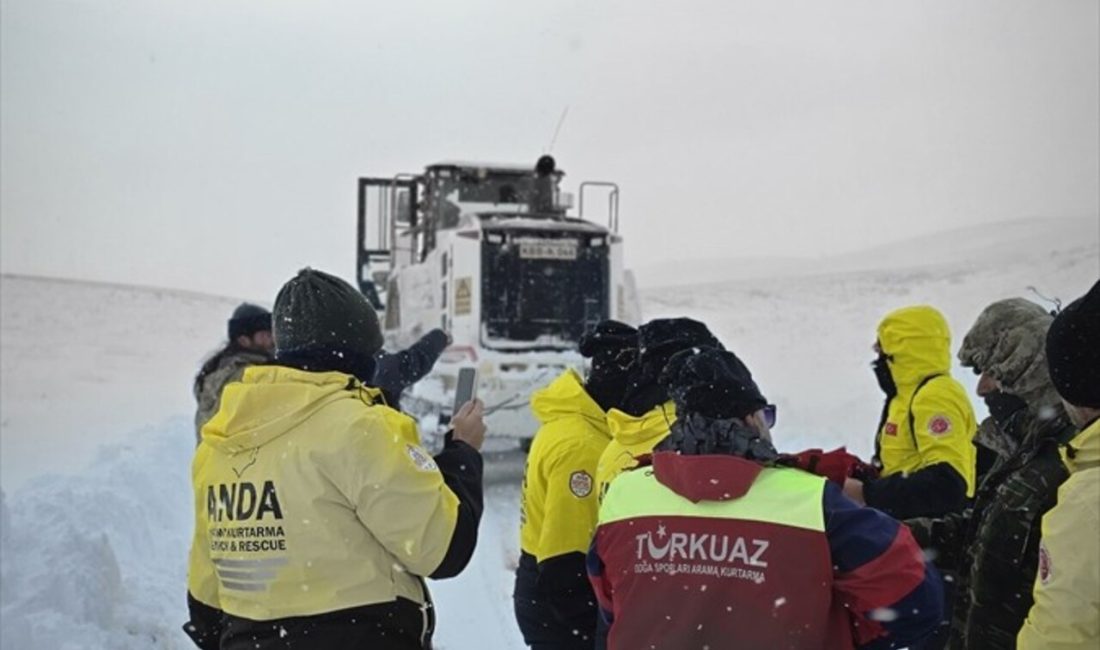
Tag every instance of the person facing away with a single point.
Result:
(924, 443)
(713, 545)
(646, 413)
(993, 547)
(396, 371)
(554, 605)
(317, 512)
(250, 343)
(1066, 613)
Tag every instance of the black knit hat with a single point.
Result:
(610, 344)
(713, 383)
(1073, 350)
(658, 341)
(247, 319)
(322, 323)
(661, 338)
(713, 392)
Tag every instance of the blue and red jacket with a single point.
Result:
(719, 551)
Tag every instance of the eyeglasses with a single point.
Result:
(769, 414)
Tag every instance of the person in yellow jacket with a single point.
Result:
(554, 604)
(1066, 613)
(647, 414)
(317, 513)
(924, 445)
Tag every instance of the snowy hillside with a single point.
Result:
(83, 364)
(96, 429)
(807, 332)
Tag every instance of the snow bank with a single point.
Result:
(98, 560)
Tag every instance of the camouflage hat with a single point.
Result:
(1007, 342)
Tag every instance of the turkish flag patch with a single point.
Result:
(891, 429)
(939, 425)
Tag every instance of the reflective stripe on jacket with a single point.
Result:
(1066, 613)
(310, 499)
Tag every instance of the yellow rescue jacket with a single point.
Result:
(631, 437)
(1066, 613)
(558, 506)
(917, 343)
(309, 498)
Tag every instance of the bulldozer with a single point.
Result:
(491, 254)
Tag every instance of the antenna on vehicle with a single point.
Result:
(1053, 301)
(557, 130)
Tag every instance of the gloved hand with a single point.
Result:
(836, 465)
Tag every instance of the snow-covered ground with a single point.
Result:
(96, 434)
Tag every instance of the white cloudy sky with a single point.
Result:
(214, 144)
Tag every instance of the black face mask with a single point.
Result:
(1002, 407)
(882, 374)
(608, 387)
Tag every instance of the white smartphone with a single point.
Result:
(466, 389)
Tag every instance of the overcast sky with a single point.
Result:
(214, 145)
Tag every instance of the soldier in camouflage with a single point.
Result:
(250, 343)
(993, 546)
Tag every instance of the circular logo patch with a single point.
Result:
(580, 484)
(939, 425)
(421, 459)
(1046, 568)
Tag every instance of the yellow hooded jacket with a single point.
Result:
(918, 344)
(631, 437)
(1066, 613)
(310, 499)
(558, 506)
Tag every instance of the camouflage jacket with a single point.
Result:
(993, 547)
(226, 366)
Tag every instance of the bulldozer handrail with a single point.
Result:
(392, 218)
(612, 202)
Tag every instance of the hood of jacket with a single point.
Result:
(1085, 448)
(1008, 341)
(711, 477)
(567, 397)
(917, 341)
(644, 430)
(271, 400)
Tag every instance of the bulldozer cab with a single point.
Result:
(399, 217)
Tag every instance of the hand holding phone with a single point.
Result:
(468, 410)
(468, 425)
(466, 390)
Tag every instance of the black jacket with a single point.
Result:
(397, 371)
(993, 547)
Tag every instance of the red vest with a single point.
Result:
(718, 552)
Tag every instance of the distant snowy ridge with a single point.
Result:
(973, 245)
